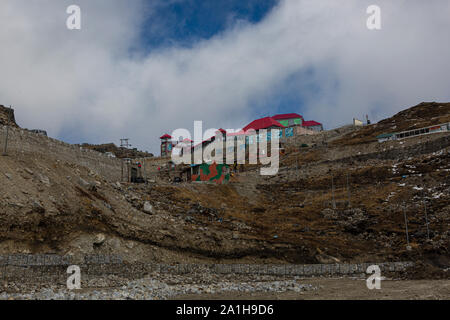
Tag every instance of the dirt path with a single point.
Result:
(349, 289)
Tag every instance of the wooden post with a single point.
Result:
(348, 192)
(406, 227)
(7, 132)
(426, 219)
(143, 168)
(121, 174)
(332, 191)
(128, 170)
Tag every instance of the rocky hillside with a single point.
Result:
(4, 116)
(329, 203)
(119, 152)
(423, 115)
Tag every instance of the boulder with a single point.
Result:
(83, 182)
(37, 207)
(43, 179)
(148, 208)
(99, 239)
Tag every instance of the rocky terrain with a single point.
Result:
(157, 287)
(119, 152)
(7, 116)
(341, 199)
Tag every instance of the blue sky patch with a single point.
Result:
(188, 21)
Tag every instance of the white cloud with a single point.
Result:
(90, 82)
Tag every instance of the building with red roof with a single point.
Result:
(263, 123)
(313, 125)
(287, 116)
(289, 119)
(289, 124)
(166, 145)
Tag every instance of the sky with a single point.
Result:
(139, 69)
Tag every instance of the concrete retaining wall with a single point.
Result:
(39, 266)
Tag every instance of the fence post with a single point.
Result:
(348, 193)
(332, 191)
(408, 247)
(7, 132)
(426, 219)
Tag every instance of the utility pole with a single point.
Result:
(408, 247)
(332, 191)
(348, 192)
(124, 144)
(426, 219)
(128, 160)
(143, 169)
(7, 132)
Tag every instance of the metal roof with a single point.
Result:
(287, 116)
(311, 123)
(263, 123)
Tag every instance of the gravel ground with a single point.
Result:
(156, 287)
(346, 289)
(199, 286)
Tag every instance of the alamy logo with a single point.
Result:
(374, 20)
(374, 281)
(74, 280)
(228, 146)
(74, 20)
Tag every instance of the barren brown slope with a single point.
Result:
(423, 115)
(58, 206)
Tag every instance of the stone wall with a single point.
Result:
(25, 142)
(45, 267)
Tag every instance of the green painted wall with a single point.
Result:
(212, 172)
(284, 122)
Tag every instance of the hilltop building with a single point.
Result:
(166, 145)
(288, 125)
